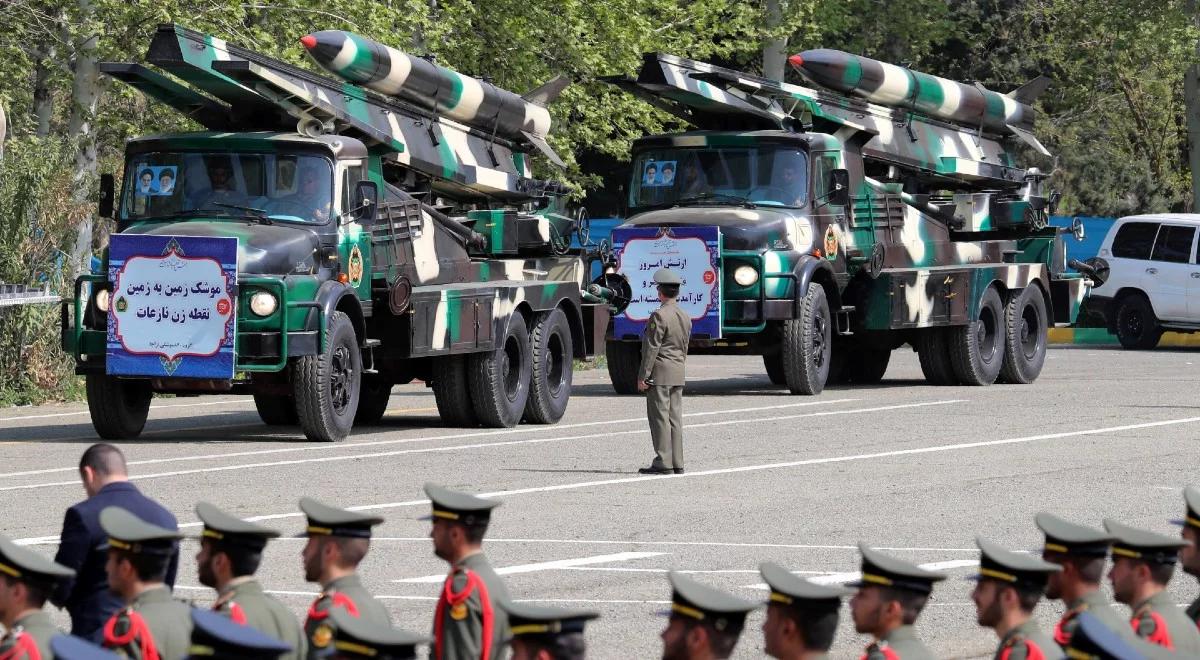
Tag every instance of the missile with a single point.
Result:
(434, 88)
(891, 85)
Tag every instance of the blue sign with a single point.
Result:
(694, 253)
(173, 310)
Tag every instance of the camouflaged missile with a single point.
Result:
(416, 80)
(891, 85)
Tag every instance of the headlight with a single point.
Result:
(103, 297)
(263, 303)
(745, 275)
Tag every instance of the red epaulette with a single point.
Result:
(135, 632)
(458, 610)
(23, 647)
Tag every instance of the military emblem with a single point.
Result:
(831, 243)
(322, 636)
(122, 304)
(458, 612)
(355, 267)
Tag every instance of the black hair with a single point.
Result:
(911, 602)
(564, 646)
(166, 173)
(146, 172)
(37, 592)
(817, 625)
(149, 568)
(104, 459)
(475, 533)
(243, 559)
(669, 290)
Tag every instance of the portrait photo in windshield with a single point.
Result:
(770, 175)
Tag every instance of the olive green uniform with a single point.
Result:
(899, 644)
(1028, 641)
(167, 626)
(1160, 621)
(34, 629)
(1193, 612)
(664, 352)
(245, 602)
(347, 593)
(468, 623)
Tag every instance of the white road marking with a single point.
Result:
(377, 443)
(795, 546)
(158, 407)
(843, 578)
(314, 594)
(544, 566)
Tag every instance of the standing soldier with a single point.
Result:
(546, 633)
(1143, 563)
(704, 622)
(1081, 552)
(26, 581)
(152, 624)
(802, 616)
(467, 624)
(1009, 587)
(338, 540)
(890, 597)
(215, 636)
(230, 552)
(1189, 556)
(664, 352)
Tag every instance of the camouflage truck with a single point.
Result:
(881, 208)
(374, 242)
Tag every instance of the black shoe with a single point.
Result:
(654, 470)
(678, 470)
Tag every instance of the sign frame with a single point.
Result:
(708, 324)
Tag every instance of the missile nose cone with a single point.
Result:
(796, 60)
(309, 41)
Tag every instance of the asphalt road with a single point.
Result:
(798, 480)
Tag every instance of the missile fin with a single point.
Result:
(544, 147)
(547, 92)
(1028, 138)
(1029, 92)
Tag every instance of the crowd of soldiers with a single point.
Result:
(475, 618)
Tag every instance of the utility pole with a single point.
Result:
(775, 48)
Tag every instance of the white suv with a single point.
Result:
(1153, 282)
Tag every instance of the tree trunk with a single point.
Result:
(3, 129)
(43, 101)
(84, 95)
(774, 49)
(1191, 96)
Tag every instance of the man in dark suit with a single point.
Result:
(87, 598)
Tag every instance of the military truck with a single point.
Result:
(882, 208)
(319, 243)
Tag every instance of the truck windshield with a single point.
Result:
(288, 187)
(766, 174)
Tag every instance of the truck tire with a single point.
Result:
(774, 364)
(1137, 327)
(373, 398)
(977, 348)
(553, 356)
(808, 345)
(1025, 329)
(624, 358)
(276, 409)
(452, 391)
(866, 366)
(118, 407)
(500, 379)
(326, 386)
(934, 355)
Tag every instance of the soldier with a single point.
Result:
(338, 540)
(664, 352)
(26, 582)
(704, 622)
(230, 552)
(1081, 552)
(546, 633)
(357, 638)
(467, 623)
(802, 616)
(69, 647)
(1009, 587)
(216, 636)
(890, 597)
(1143, 563)
(1189, 555)
(152, 624)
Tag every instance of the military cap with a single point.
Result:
(1191, 498)
(787, 588)
(220, 526)
(215, 635)
(699, 602)
(1014, 568)
(1092, 640)
(525, 620)
(459, 507)
(28, 566)
(325, 520)
(1144, 545)
(1070, 539)
(69, 647)
(132, 534)
(883, 570)
(361, 638)
(667, 277)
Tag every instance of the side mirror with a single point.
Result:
(839, 187)
(622, 201)
(1077, 228)
(541, 203)
(108, 189)
(366, 196)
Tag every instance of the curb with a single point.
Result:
(1101, 336)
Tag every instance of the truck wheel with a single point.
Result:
(326, 386)
(372, 400)
(807, 344)
(977, 348)
(935, 356)
(452, 392)
(1025, 339)
(866, 366)
(624, 358)
(1137, 327)
(276, 409)
(553, 354)
(500, 379)
(774, 365)
(118, 407)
